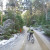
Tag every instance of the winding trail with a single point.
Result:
(21, 43)
(29, 46)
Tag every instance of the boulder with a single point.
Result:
(8, 22)
(8, 25)
(1, 29)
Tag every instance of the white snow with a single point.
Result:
(4, 42)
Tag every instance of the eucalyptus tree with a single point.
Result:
(1, 3)
(42, 6)
(11, 4)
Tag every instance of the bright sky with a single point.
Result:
(4, 4)
(22, 0)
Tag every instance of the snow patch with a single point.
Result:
(4, 42)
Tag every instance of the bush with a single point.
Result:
(47, 32)
(13, 31)
(46, 28)
(20, 21)
(6, 36)
(17, 19)
(0, 23)
(12, 23)
(1, 37)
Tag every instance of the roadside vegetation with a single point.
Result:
(40, 16)
(37, 14)
(12, 24)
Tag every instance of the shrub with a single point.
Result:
(1, 37)
(46, 28)
(47, 32)
(17, 19)
(12, 23)
(6, 36)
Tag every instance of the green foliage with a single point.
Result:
(0, 16)
(41, 19)
(20, 20)
(9, 15)
(47, 32)
(4, 18)
(17, 19)
(46, 28)
(6, 35)
(12, 28)
(27, 18)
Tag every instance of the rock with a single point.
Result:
(8, 22)
(8, 25)
(1, 29)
